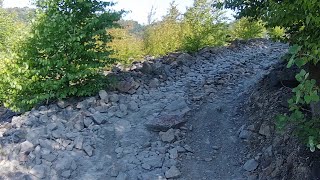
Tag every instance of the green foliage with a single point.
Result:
(276, 33)
(127, 47)
(63, 56)
(22, 15)
(133, 27)
(246, 29)
(203, 25)
(165, 36)
(6, 30)
(301, 22)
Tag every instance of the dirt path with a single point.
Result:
(219, 151)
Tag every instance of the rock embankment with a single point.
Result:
(138, 131)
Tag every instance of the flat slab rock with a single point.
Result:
(165, 122)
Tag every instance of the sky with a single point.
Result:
(138, 9)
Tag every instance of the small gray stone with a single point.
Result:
(103, 95)
(122, 176)
(99, 118)
(49, 157)
(173, 153)
(133, 106)
(128, 85)
(251, 165)
(146, 166)
(165, 122)
(113, 171)
(188, 148)
(175, 105)
(123, 108)
(173, 172)
(265, 130)
(62, 104)
(114, 98)
(88, 149)
(26, 146)
(78, 142)
(245, 134)
(215, 147)
(87, 122)
(66, 174)
(119, 150)
(64, 163)
(154, 83)
(155, 161)
(38, 171)
(168, 136)
(180, 149)
(146, 68)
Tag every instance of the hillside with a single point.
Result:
(181, 116)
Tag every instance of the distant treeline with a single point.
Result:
(200, 26)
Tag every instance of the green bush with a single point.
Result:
(62, 57)
(301, 22)
(127, 47)
(203, 26)
(276, 33)
(6, 30)
(165, 36)
(246, 29)
(162, 38)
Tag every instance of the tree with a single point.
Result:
(301, 22)
(204, 25)
(246, 29)
(63, 56)
(127, 46)
(6, 29)
(151, 15)
(133, 27)
(165, 36)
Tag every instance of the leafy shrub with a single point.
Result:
(276, 33)
(301, 22)
(127, 47)
(165, 36)
(203, 26)
(61, 58)
(161, 38)
(246, 29)
(6, 30)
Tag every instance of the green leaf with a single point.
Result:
(291, 61)
(308, 99)
(294, 49)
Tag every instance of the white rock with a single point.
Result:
(103, 95)
(26, 146)
(38, 171)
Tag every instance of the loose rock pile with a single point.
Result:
(136, 132)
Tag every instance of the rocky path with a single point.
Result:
(218, 141)
(171, 118)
